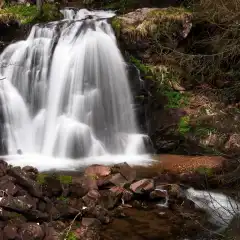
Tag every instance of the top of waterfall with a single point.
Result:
(81, 14)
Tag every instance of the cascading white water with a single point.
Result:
(66, 93)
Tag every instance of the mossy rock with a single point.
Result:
(26, 14)
(64, 179)
(153, 24)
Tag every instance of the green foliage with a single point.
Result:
(205, 171)
(116, 25)
(63, 199)
(183, 126)
(144, 68)
(64, 179)
(175, 99)
(29, 14)
(71, 236)
(121, 5)
(41, 178)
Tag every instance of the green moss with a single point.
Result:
(64, 179)
(169, 12)
(116, 25)
(183, 126)
(63, 199)
(175, 99)
(41, 178)
(144, 68)
(71, 236)
(29, 14)
(205, 171)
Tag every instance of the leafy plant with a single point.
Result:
(29, 13)
(175, 99)
(205, 171)
(71, 236)
(183, 126)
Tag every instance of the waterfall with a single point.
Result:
(65, 92)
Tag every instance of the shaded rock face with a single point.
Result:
(12, 31)
(180, 114)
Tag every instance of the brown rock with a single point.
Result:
(3, 168)
(62, 209)
(31, 172)
(159, 194)
(91, 222)
(110, 198)
(97, 171)
(92, 198)
(81, 186)
(10, 232)
(52, 186)
(185, 164)
(51, 234)
(142, 186)
(7, 187)
(118, 180)
(127, 196)
(58, 225)
(125, 170)
(23, 180)
(173, 190)
(31, 231)
(15, 204)
(98, 212)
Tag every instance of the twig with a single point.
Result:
(70, 227)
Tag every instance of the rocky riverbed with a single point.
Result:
(100, 203)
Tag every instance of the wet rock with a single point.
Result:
(15, 204)
(31, 231)
(97, 171)
(81, 186)
(92, 198)
(7, 215)
(91, 222)
(41, 206)
(118, 180)
(110, 198)
(61, 209)
(52, 186)
(10, 232)
(36, 215)
(142, 186)
(7, 187)
(174, 190)
(51, 234)
(23, 180)
(76, 203)
(30, 200)
(104, 182)
(20, 192)
(159, 194)
(89, 230)
(125, 170)
(98, 212)
(31, 172)
(3, 168)
(58, 225)
(127, 196)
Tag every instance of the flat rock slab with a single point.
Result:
(181, 164)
